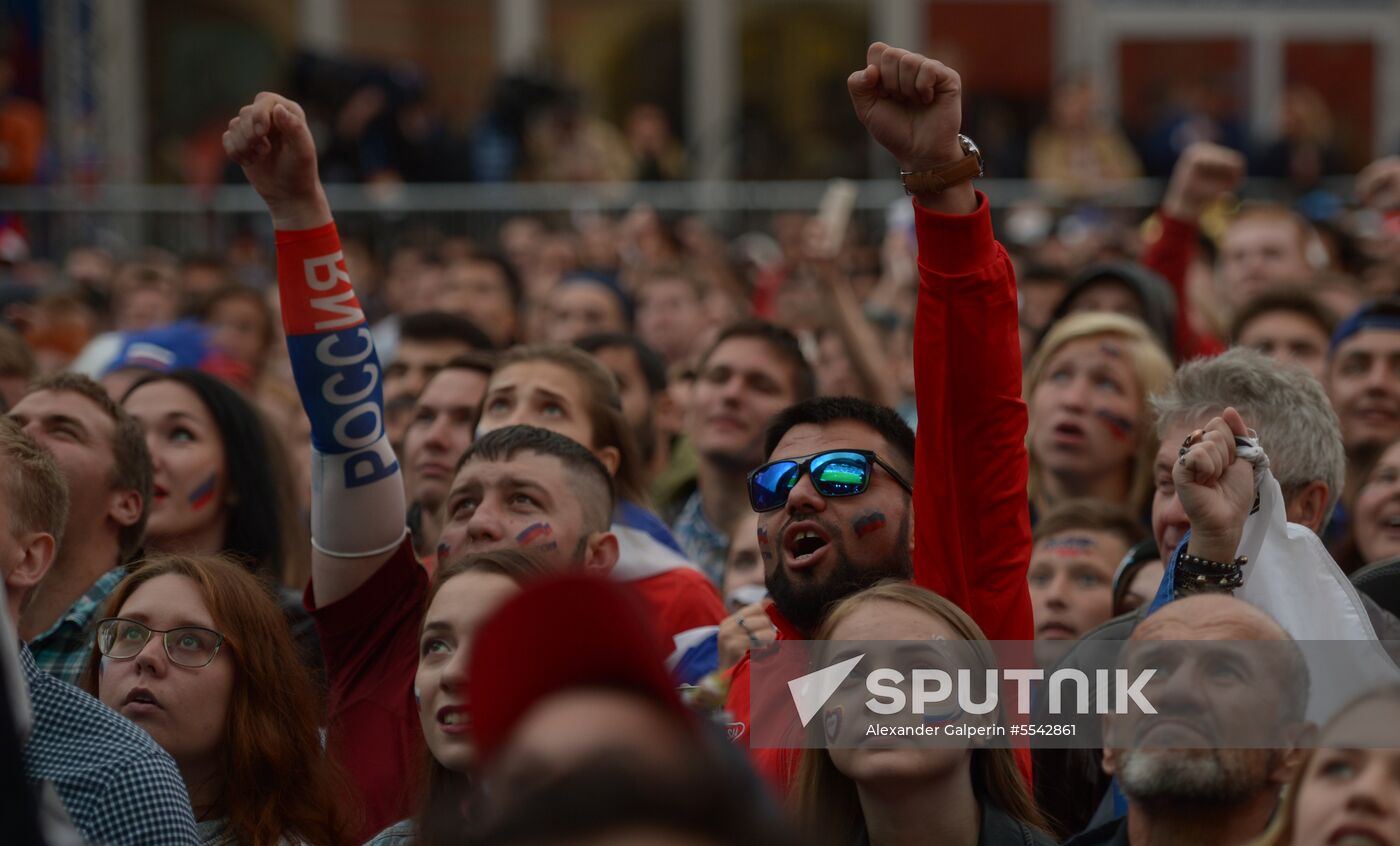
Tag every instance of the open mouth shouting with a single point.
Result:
(805, 545)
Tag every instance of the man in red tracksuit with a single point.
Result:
(971, 537)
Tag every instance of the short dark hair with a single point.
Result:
(822, 410)
(441, 326)
(784, 345)
(652, 365)
(1292, 300)
(1089, 515)
(514, 287)
(476, 361)
(591, 483)
(131, 460)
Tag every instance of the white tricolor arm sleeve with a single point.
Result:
(357, 492)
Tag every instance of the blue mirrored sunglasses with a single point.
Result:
(838, 472)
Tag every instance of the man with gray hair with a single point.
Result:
(1285, 405)
(1297, 429)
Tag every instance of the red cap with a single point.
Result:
(562, 634)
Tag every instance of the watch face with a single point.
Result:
(970, 147)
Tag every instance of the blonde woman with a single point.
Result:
(1090, 432)
(1349, 790)
(877, 796)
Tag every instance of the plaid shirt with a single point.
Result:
(117, 785)
(63, 650)
(702, 543)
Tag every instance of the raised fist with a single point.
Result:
(1216, 488)
(272, 143)
(1204, 172)
(911, 104)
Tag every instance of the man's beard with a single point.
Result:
(804, 600)
(1202, 777)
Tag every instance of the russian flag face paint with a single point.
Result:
(1119, 426)
(534, 533)
(203, 494)
(868, 523)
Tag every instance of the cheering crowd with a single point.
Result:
(484, 545)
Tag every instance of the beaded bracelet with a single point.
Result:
(1202, 575)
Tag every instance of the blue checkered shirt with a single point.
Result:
(117, 785)
(63, 650)
(701, 542)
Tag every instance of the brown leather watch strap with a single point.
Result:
(942, 177)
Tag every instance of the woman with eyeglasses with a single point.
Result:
(194, 650)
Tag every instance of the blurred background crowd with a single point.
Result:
(638, 177)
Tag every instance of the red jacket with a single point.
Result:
(972, 532)
(1170, 255)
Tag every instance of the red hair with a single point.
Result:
(278, 781)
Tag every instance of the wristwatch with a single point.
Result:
(945, 176)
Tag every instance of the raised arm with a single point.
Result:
(357, 507)
(1203, 173)
(972, 531)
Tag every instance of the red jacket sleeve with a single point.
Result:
(972, 536)
(1170, 256)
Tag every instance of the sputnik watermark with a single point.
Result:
(1113, 690)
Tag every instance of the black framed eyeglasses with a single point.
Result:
(189, 646)
(837, 472)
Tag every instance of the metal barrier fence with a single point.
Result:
(186, 221)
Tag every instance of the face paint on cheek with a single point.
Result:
(832, 723)
(201, 496)
(1118, 426)
(534, 533)
(417, 696)
(872, 522)
(763, 545)
(443, 550)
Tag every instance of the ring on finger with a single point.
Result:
(1191, 440)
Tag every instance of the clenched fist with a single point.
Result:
(912, 105)
(1203, 173)
(272, 143)
(1216, 488)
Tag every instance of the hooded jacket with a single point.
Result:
(1152, 291)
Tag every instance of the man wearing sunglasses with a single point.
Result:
(847, 497)
(112, 780)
